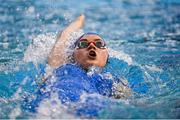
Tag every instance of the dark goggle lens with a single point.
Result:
(85, 44)
(100, 44)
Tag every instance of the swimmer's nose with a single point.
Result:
(91, 46)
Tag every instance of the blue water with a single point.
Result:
(148, 31)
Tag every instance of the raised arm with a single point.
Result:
(57, 56)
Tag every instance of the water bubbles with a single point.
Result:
(18, 9)
(94, 70)
(5, 45)
(40, 48)
(37, 15)
(55, 21)
(68, 17)
(15, 112)
(31, 9)
(65, 72)
(5, 39)
(120, 55)
(52, 108)
(153, 68)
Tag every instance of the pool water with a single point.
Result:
(144, 33)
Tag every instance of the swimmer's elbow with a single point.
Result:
(54, 62)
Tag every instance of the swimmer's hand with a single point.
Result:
(57, 56)
(74, 26)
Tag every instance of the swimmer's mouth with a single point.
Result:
(92, 54)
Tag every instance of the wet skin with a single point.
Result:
(92, 55)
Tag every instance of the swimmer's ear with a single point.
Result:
(73, 54)
(107, 60)
(72, 58)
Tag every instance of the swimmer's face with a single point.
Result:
(90, 51)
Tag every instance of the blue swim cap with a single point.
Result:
(88, 33)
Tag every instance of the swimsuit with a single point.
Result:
(70, 82)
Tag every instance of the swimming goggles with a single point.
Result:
(83, 43)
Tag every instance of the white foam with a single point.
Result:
(120, 55)
(31, 9)
(153, 68)
(53, 109)
(41, 46)
(15, 112)
(5, 45)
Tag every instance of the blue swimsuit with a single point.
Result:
(70, 82)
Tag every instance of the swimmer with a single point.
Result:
(70, 81)
(90, 50)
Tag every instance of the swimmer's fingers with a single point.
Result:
(74, 26)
